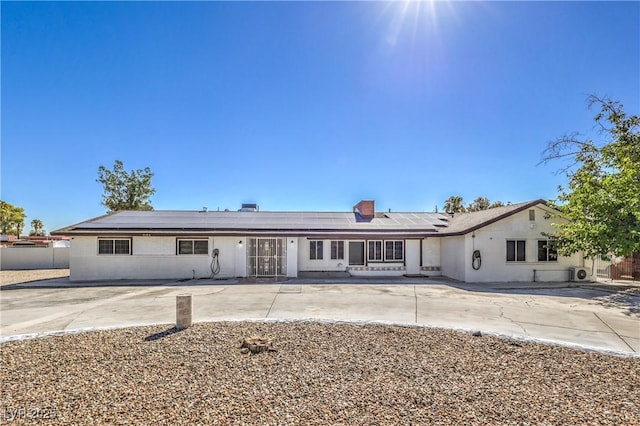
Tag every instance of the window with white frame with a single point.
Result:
(337, 250)
(516, 250)
(547, 251)
(193, 246)
(375, 251)
(394, 250)
(114, 246)
(315, 249)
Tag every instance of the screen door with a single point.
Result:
(266, 257)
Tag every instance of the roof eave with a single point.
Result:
(317, 233)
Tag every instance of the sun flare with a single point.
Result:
(411, 18)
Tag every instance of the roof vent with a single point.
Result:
(205, 209)
(249, 207)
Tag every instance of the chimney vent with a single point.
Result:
(365, 210)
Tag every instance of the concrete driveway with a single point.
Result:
(584, 316)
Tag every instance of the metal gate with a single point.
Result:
(620, 269)
(266, 257)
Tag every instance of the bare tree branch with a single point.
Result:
(570, 146)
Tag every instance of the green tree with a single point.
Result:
(37, 227)
(454, 204)
(126, 190)
(602, 199)
(11, 219)
(480, 203)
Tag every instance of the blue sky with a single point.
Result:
(302, 105)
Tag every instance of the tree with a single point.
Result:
(37, 228)
(601, 202)
(454, 204)
(126, 190)
(480, 203)
(11, 219)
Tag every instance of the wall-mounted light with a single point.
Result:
(291, 242)
(240, 243)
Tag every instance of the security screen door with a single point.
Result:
(266, 257)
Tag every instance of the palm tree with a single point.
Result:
(454, 204)
(37, 227)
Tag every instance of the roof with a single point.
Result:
(182, 222)
(463, 223)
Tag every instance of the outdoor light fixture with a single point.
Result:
(291, 242)
(240, 243)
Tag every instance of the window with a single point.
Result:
(337, 250)
(193, 246)
(547, 251)
(516, 250)
(375, 251)
(393, 250)
(532, 215)
(114, 246)
(315, 250)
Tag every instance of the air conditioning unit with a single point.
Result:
(578, 273)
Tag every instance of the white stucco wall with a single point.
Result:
(292, 245)
(240, 256)
(151, 258)
(492, 243)
(431, 256)
(34, 258)
(452, 251)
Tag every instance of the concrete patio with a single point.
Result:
(592, 316)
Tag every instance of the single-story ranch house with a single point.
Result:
(500, 244)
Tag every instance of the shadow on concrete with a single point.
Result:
(628, 300)
(612, 295)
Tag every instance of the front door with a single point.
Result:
(266, 257)
(412, 257)
(356, 253)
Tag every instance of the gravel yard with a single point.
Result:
(319, 373)
(25, 276)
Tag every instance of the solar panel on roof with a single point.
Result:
(265, 220)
